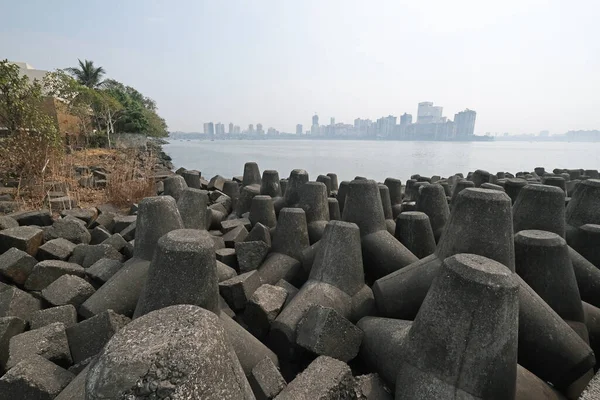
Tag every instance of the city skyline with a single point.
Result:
(430, 124)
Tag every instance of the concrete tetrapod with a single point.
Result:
(542, 260)
(289, 240)
(342, 193)
(263, 210)
(458, 187)
(414, 231)
(432, 201)
(382, 253)
(174, 186)
(513, 186)
(334, 181)
(271, 186)
(540, 207)
(326, 180)
(395, 187)
(386, 203)
(251, 174)
(336, 281)
(584, 207)
(178, 351)
(481, 223)
(192, 205)
(313, 200)
(298, 177)
(463, 342)
(183, 271)
(156, 217)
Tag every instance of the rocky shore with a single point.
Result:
(476, 286)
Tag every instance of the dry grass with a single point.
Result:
(130, 179)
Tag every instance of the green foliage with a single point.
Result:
(32, 140)
(87, 74)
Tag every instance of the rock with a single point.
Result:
(262, 309)
(46, 272)
(250, 255)
(117, 242)
(266, 380)
(55, 249)
(371, 387)
(224, 272)
(84, 214)
(238, 290)
(259, 232)
(178, 351)
(69, 228)
(15, 302)
(7, 222)
(236, 235)
(122, 222)
(75, 390)
(228, 257)
(86, 254)
(105, 219)
(129, 232)
(34, 378)
(99, 234)
(325, 378)
(66, 314)
(231, 224)
(192, 205)
(216, 183)
(9, 327)
(103, 269)
(88, 337)
(16, 265)
(39, 217)
(289, 288)
(325, 332)
(26, 238)
(68, 289)
(49, 342)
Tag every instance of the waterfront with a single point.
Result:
(379, 159)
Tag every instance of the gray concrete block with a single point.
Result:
(103, 269)
(55, 249)
(66, 314)
(9, 327)
(15, 302)
(68, 289)
(49, 342)
(88, 337)
(238, 290)
(250, 255)
(16, 265)
(34, 378)
(325, 378)
(26, 238)
(46, 272)
(324, 331)
(262, 309)
(266, 380)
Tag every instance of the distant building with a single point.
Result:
(230, 128)
(259, 129)
(236, 130)
(332, 121)
(272, 132)
(315, 120)
(544, 133)
(385, 126)
(250, 128)
(405, 119)
(464, 123)
(219, 128)
(428, 113)
(299, 129)
(209, 129)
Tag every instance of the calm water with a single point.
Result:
(379, 159)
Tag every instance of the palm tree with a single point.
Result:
(87, 74)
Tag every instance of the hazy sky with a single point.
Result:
(523, 65)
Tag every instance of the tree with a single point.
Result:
(87, 74)
(32, 140)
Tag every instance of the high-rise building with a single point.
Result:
(315, 120)
(464, 123)
(314, 129)
(236, 129)
(385, 125)
(209, 129)
(205, 128)
(250, 128)
(230, 128)
(332, 121)
(219, 128)
(259, 129)
(299, 129)
(405, 119)
(428, 113)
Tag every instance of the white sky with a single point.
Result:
(523, 65)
